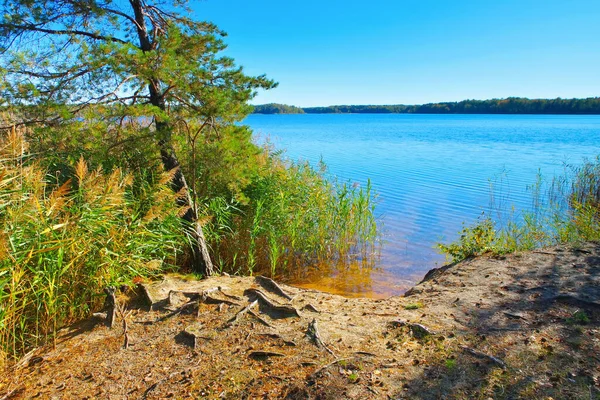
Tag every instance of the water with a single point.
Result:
(432, 172)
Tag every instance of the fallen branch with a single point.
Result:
(313, 333)
(372, 390)
(484, 356)
(365, 353)
(272, 286)
(13, 393)
(124, 315)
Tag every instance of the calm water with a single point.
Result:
(432, 173)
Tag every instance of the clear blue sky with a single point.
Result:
(413, 51)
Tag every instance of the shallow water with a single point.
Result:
(432, 173)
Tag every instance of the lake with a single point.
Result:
(431, 173)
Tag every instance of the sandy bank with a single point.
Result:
(521, 326)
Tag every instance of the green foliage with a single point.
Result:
(473, 241)
(579, 317)
(164, 65)
(61, 245)
(413, 306)
(353, 377)
(450, 363)
(129, 87)
(123, 76)
(274, 108)
(567, 210)
(287, 217)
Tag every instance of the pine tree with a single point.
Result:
(128, 59)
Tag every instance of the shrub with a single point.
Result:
(61, 245)
(473, 241)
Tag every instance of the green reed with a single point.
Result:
(293, 216)
(565, 209)
(61, 245)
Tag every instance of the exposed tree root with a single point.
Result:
(261, 355)
(573, 300)
(311, 308)
(270, 308)
(417, 330)
(272, 286)
(236, 318)
(323, 368)
(278, 336)
(313, 333)
(260, 319)
(484, 356)
(228, 295)
(110, 305)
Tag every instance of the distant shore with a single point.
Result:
(511, 105)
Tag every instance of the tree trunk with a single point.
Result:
(201, 261)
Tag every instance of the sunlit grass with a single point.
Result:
(61, 245)
(564, 210)
(294, 217)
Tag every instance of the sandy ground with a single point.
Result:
(522, 326)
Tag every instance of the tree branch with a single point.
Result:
(33, 28)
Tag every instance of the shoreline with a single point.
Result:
(525, 325)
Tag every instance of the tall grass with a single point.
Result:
(565, 209)
(68, 230)
(60, 245)
(294, 216)
(269, 216)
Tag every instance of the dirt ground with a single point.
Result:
(522, 326)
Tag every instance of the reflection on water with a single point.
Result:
(432, 173)
(355, 282)
(352, 279)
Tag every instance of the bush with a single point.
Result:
(61, 245)
(473, 241)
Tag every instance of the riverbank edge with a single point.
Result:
(522, 325)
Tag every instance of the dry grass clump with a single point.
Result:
(61, 244)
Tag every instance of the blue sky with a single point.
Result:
(413, 51)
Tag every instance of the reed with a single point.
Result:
(294, 216)
(66, 236)
(61, 245)
(565, 209)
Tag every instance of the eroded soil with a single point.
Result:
(521, 326)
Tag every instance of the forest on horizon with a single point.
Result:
(511, 105)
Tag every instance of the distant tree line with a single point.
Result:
(274, 108)
(511, 105)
